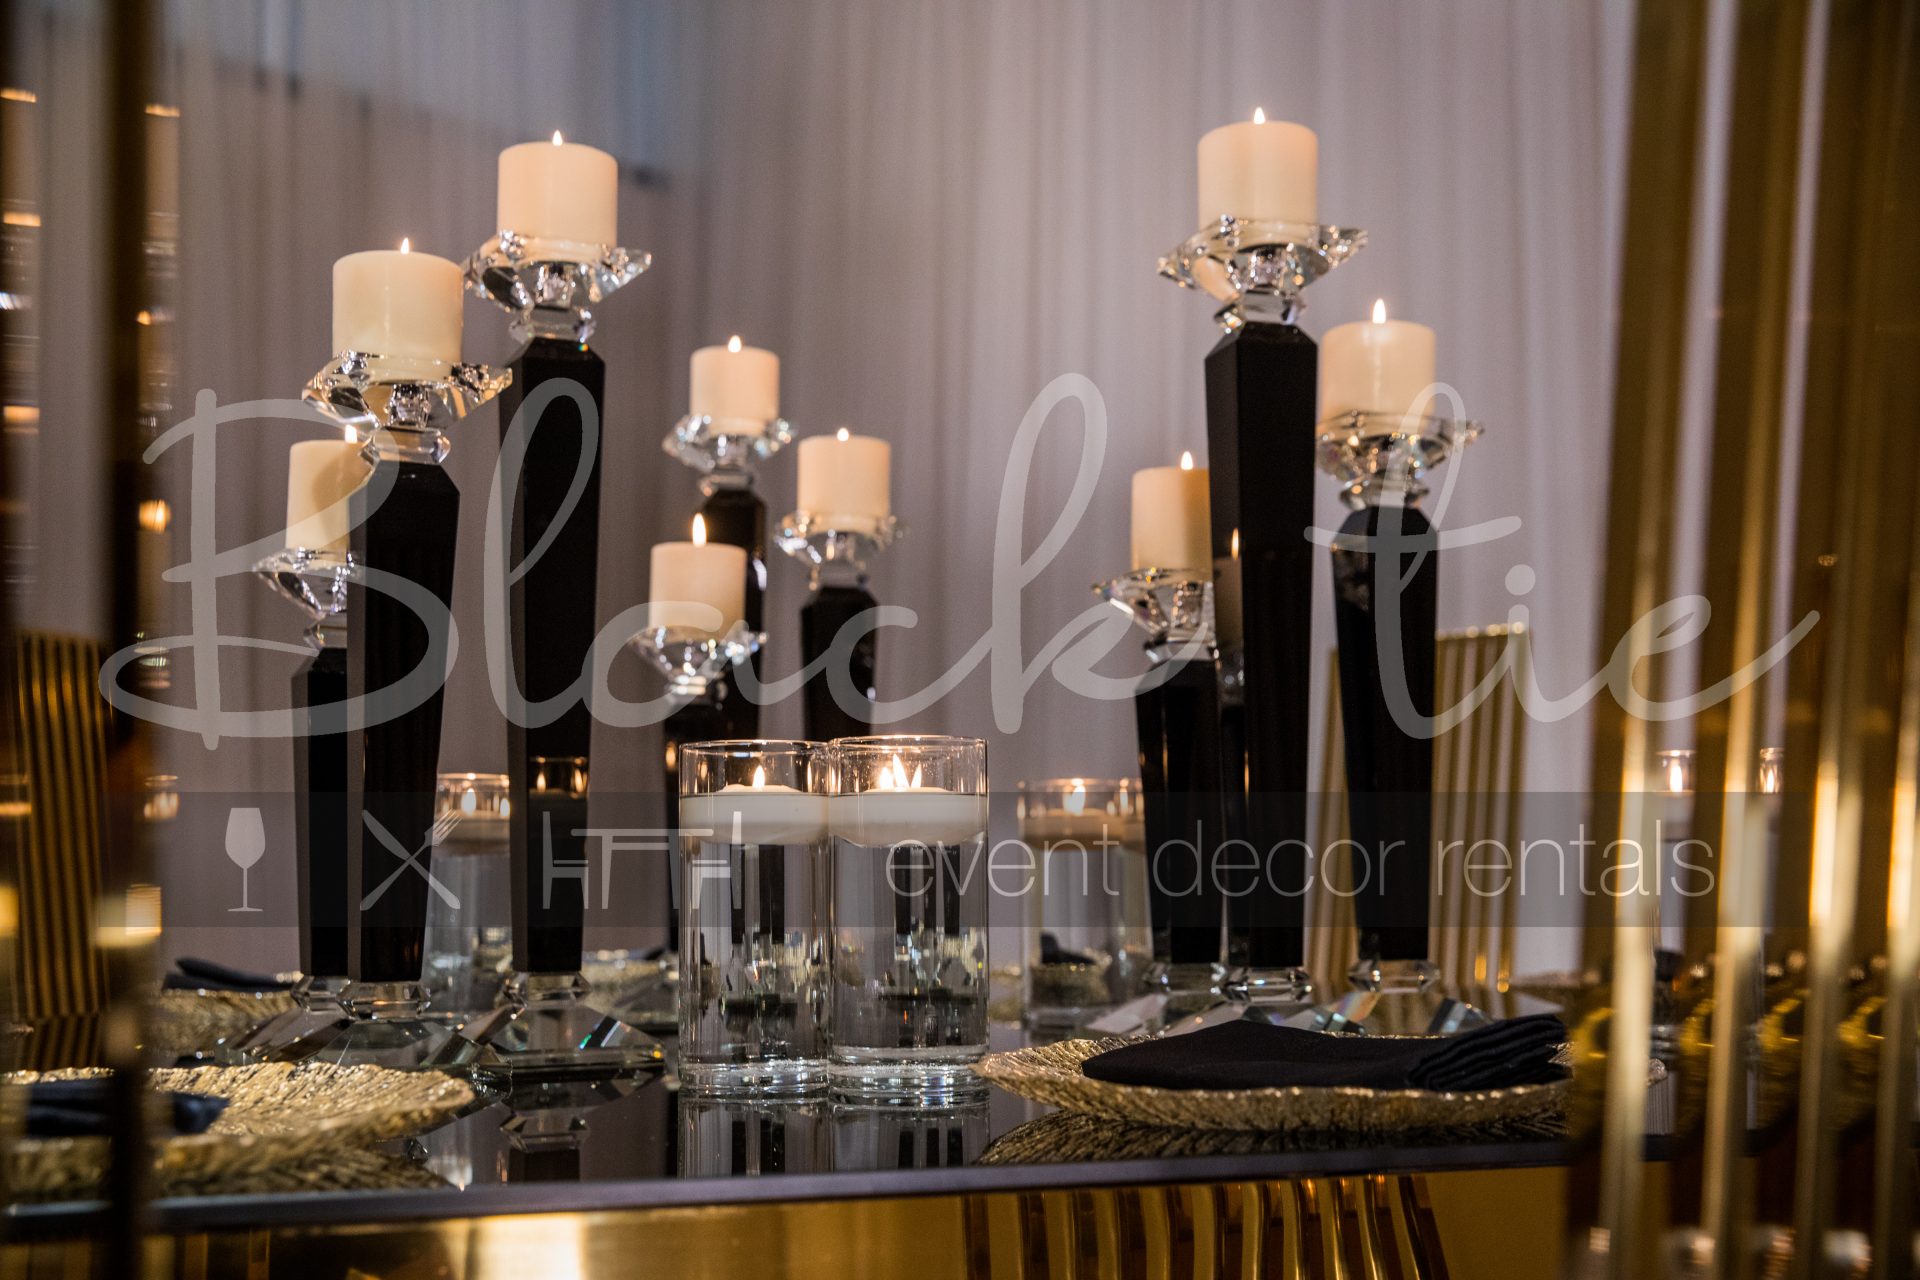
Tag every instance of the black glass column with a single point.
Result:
(320, 812)
(734, 514)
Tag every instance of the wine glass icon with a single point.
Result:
(246, 841)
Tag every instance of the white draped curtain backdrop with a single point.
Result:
(930, 210)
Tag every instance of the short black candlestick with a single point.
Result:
(702, 720)
(735, 515)
(1261, 388)
(831, 610)
(391, 765)
(1389, 770)
(1181, 784)
(552, 617)
(320, 812)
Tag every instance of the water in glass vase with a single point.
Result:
(753, 967)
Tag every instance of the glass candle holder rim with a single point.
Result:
(881, 741)
(719, 749)
(1033, 786)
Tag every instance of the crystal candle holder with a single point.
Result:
(315, 582)
(709, 444)
(400, 408)
(908, 816)
(753, 915)
(1378, 455)
(1172, 607)
(1089, 937)
(547, 287)
(692, 660)
(1257, 269)
(836, 552)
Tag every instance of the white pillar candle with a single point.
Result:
(739, 814)
(402, 305)
(908, 815)
(1375, 366)
(1266, 170)
(320, 474)
(1172, 521)
(689, 582)
(561, 196)
(843, 481)
(738, 383)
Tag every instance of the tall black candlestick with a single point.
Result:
(1181, 782)
(552, 617)
(391, 764)
(1389, 770)
(320, 812)
(1261, 388)
(832, 608)
(735, 515)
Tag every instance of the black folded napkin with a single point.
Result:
(1258, 1055)
(83, 1108)
(205, 975)
(1051, 952)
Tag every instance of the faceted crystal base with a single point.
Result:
(1395, 998)
(1188, 989)
(376, 1024)
(905, 1082)
(641, 989)
(316, 1006)
(1257, 269)
(549, 1030)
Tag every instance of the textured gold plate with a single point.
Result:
(1051, 1074)
(278, 1115)
(181, 1023)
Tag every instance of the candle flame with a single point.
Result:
(1076, 801)
(1233, 545)
(759, 777)
(1186, 460)
(1676, 776)
(469, 802)
(1259, 116)
(406, 245)
(733, 344)
(893, 777)
(1379, 310)
(699, 530)
(842, 434)
(916, 777)
(557, 139)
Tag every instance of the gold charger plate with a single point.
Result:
(1051, 1074)
(181, 1023)
(278, 1115)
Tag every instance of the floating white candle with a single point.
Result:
(757, 814)
(901, 811)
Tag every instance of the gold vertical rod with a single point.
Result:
(1611, 1034)
(1756, 293)
(1866, 199)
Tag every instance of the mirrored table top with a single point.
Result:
(644, 1142)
